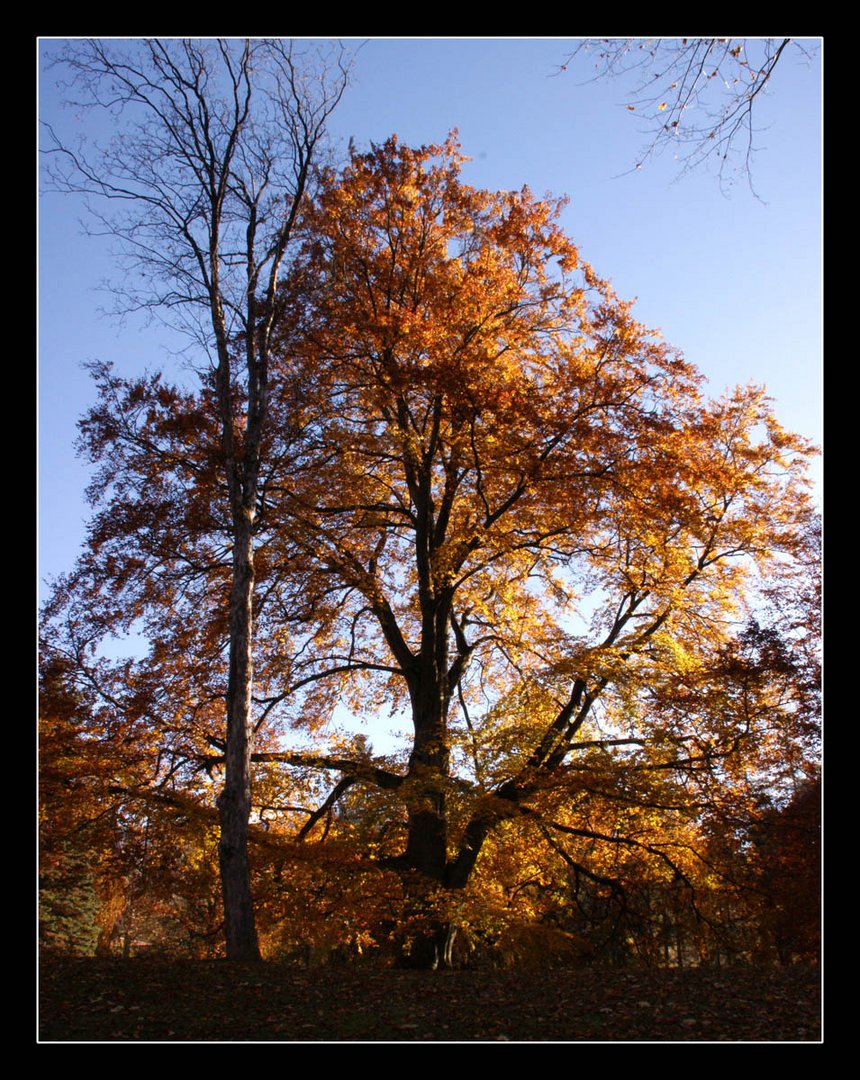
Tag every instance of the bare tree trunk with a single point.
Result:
(234, 803)
(426, 854)
(427, 838)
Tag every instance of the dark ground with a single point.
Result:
(177, 1001)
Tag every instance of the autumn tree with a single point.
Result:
(521, 522)
(202, 184)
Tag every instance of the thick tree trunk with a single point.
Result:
(427, 834)
(429, 870)
(234, 803)
(426, 853)
(429, 766)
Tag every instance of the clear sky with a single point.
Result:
(735, 283)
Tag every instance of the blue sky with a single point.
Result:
(735, 283)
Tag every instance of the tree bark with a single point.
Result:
(427, 838)
(426, 853)
(430, 760)
(234, 803)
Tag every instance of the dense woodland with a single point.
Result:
(480, 503)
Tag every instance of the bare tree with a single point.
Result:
(695, 96)
(202, 185)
